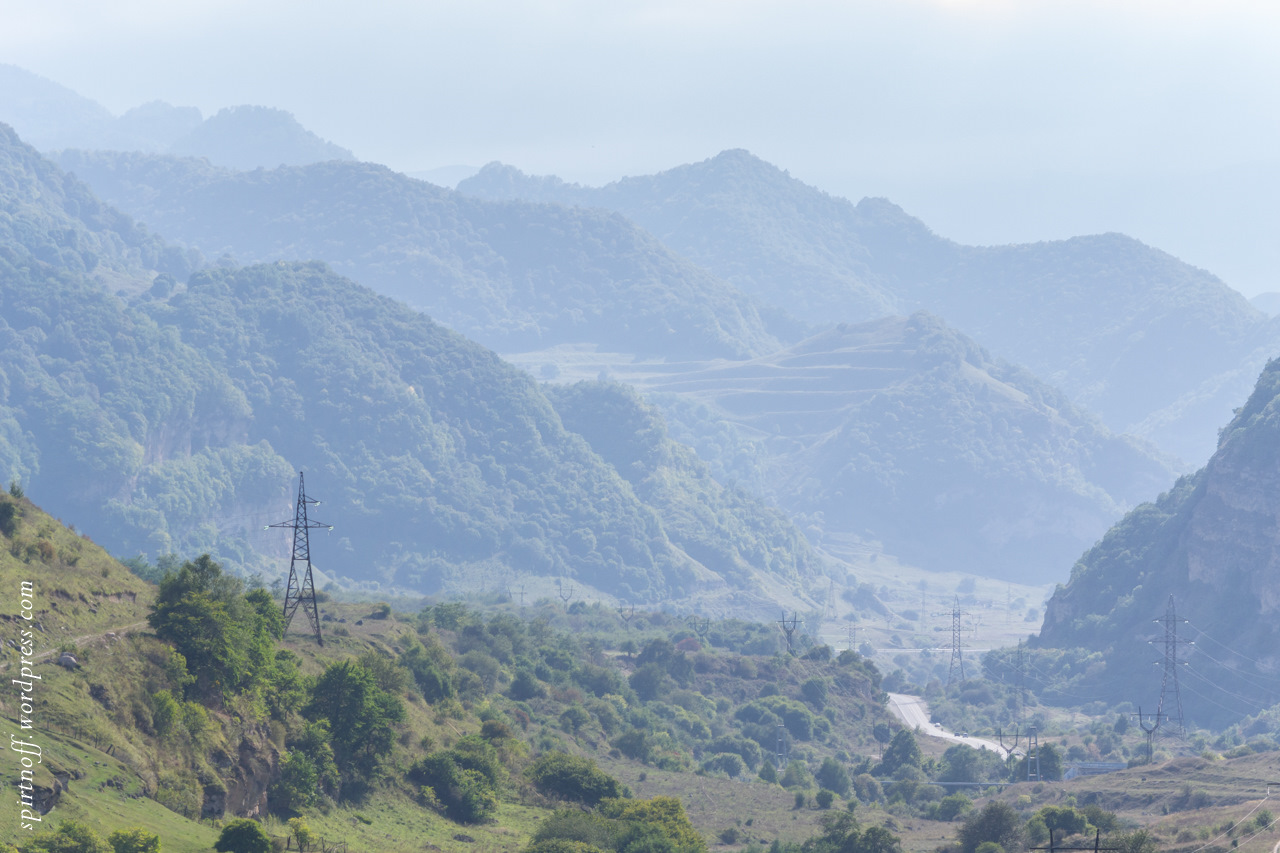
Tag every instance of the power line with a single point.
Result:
(302, 592)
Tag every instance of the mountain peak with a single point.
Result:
(249, 137)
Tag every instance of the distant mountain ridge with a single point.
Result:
(170, 416)
(52, 117)
(512, 275)
(1156, 347)
(528, 275)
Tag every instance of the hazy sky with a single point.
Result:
(992, 121)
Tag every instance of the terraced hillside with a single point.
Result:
(904, 432)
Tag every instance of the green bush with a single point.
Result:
(134, 840)
(243, 836)
(729, 763)
(569, 777)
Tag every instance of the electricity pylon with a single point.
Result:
(1169, 681)
(957, 658)
(302, 592)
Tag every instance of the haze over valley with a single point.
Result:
(643, 494)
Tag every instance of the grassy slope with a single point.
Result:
(87, 721)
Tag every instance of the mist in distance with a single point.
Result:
(994, 122)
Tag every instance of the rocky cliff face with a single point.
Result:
(1213, 544)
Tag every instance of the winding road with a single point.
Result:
(914, 714)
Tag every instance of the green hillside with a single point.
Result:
(1154, 346)
(1211, 544)
(185, 708)
(726, 530)
(51, 218)
(176, 418)
(511, 275)
(906, 433)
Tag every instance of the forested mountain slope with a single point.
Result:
(1212, 544)
(54, 219)
(725, 529)
(1153, 345)
(176, 419)
(512, 275)
(907, 432)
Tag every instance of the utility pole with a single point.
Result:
(1008, 749)
(1022, 684)
(1150, 732)
(302, 591)
(957, 658)
(565, 591)
(853, 637)
(780, 756)
(1033, 755)
(1169, 681)
(1096, 848)
(789, 627)
(701, 627)
(521, 594)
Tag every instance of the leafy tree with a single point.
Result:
(71, 836)
(1062, 821)
(8, 518)
(590, 830)
(467, 796)
(883, 734)
(965, 764)
(242, 835)
(665, 814)
(824, 798)
(1050, 764)
(432, 668)
(951, 806)
(997, 822)
(225, 636)
(570, 777)
(475, 753)
(833, 776)
(301, 833)
(815, 691)
(647, 681)
(903, 751)
(361, 716)
(526, 685)
(841, 833)
(729, 763)
(268, 611)
(1138, 841)
(634, 744)
(312, 740)
(796, 775)
(134, 840)
(299, 784)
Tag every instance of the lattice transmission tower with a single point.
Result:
(302, 591)
(1169, 681)
(957, 657)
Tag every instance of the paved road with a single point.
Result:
(914, 714)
